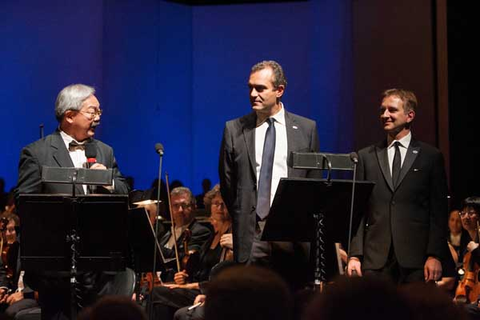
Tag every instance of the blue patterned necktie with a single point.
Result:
(265, 179)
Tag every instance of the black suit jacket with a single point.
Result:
(51, 151)
(237, 173)
(413, 216)
(200, 236)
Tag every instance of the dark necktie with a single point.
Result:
(265, 179)
(74, 145)
(397, 164)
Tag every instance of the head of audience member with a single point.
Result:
(78, 111)
(183, 206)
(430, 302)
(11, 222)
(359, 298)
(469, 213)
(248, 292)
(454, 222)
(219, 217)
(267, 85)
(397, 112)
(115, 308)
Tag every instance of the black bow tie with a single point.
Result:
(74, 145)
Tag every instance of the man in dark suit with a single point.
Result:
(253, 158)
(403, 232)
(183, 209)
(78, 113)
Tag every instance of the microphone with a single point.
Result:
(91, 154)
(159, 148)
(354, 157)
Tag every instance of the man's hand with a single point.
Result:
(98, 166)
(200, 299)
(181, 277)
(472, 245)
(226, 241)
(354, 267)
(432, 269)
(15, 297)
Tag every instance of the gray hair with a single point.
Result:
(184, 190)
(278, 74)
(71, 98)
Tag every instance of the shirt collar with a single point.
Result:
(404, 142)
(279, 117)
(67, 139)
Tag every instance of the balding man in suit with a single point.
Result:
(253, 158)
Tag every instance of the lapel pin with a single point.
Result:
(415, 151)
(295, 127)
(415, 170)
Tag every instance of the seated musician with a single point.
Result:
(168, 298)
(470, 219)
(183, 213)
(14, 295)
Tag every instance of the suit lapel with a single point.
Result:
(382, 158)
(249, 136)
(62, 157)
(412, 153)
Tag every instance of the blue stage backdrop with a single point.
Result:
(170, 73)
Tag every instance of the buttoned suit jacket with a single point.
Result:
(52, 152)
(238, 175)
(411, 216)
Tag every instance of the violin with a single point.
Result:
(468, 289)
(191, 260)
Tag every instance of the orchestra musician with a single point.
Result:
(15, 296)
(170, 297)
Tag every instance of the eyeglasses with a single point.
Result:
(92, 114)
(184, 206)
(469, 213)
(218, 204)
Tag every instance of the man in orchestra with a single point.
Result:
(78, 113)
(253, 158)
(403, 232)
(183, 213)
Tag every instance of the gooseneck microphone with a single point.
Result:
(91, 154)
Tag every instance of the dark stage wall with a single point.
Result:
(173, 73)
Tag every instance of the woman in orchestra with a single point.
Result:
(168, 298)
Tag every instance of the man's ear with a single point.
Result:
(280, 90)
(69, 115)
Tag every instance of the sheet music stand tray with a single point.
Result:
(74, 233)
(319, 211)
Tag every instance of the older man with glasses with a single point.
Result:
(78, 113)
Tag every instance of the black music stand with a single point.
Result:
(74, 233)
(320, 211)
(142, 238)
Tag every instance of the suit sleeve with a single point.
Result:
(29, 173)
(226, 170)
(438, 209)
(121, 185)
(314, 147)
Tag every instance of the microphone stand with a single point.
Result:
(355, 162)
(156, 245)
